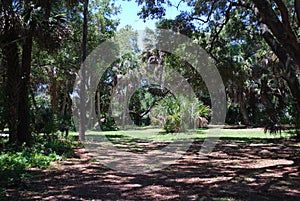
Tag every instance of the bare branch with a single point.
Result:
(208, 16)
(150, 107)
(227, 17)
(14, 41)
(179, 4)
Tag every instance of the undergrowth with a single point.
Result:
(15, 161)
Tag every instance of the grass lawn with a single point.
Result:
(138, 140)
(155, 134)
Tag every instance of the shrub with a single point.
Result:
(172, 123)
(14, 163)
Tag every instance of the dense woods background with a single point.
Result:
(255, 45)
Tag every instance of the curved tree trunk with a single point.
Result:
(281, 29)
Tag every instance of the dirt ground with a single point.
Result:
(235, 170)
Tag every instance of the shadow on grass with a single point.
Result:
(126, 143)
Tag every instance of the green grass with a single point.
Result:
(159, 135)
(139, 140)
(251, 133)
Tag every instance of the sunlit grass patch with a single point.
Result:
(154, 134)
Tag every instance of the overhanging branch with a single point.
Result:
(208, 16)
(284, 36)
(288, 65)
(227, 17)
(285, 17)
(150, 107)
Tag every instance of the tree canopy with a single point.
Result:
(239, 36)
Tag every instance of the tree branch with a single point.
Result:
(179, 4)
(288, 65)
(285, 37)
(14, 41)
(274, 44)
(208, 16)
(297, 9)
(285, 17)
(283, 11)
(227, 17)
(150, 107)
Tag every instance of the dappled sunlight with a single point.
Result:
(238, 170)
(197, 180)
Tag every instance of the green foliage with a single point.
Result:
(44, 121)
(172, 105)
(230, 31)
(234, 116)
(172, 124)
(142, 101)
(177, 114)
(203, 110)
(169, 111)
(109, 125)
(15, 163)
(26, 159)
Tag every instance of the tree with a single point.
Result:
(126, 49)
(22, 24)
(282, 37)
(143, 101)
(277, 22)
(82, 111)
(36, 50)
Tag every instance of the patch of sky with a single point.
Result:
(130, 9)
(129, 16)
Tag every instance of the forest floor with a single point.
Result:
(255, 169)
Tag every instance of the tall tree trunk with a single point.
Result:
(11, 57)
(239, 97)
(24, 133)
(82, 118)
(91, 114)
(109, 113)
(63, 110)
